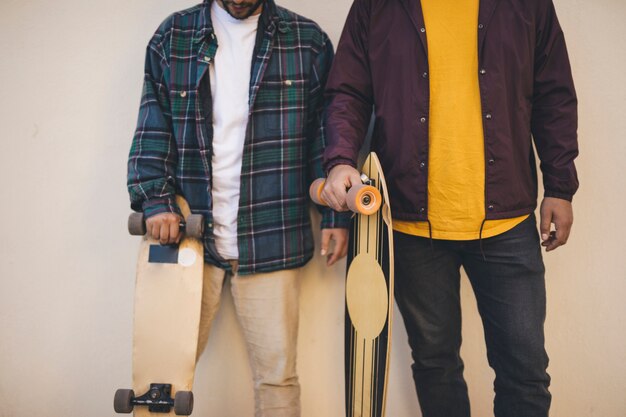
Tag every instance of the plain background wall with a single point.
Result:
(70, 82)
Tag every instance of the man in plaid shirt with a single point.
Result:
(237, 130)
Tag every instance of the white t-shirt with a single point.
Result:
(230, 83)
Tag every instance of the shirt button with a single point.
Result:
(207, 58)
(488, 115)
(483, 71)
(183, 94)
(210, 225)
(423, 120)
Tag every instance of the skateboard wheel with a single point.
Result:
(136, 224)
(364, 199)
(194, 225)
(315, 191)
(123, 401)
(183, 403)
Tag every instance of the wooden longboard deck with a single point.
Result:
(168, 299)
(369, 304)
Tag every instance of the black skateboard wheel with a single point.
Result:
(136, 224)
(123, 401)
(194, 225)
(183, 403)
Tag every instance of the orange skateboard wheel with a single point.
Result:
(315, 191)
(364, 199)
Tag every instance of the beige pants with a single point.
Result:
(267, 309)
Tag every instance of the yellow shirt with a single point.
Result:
(456, 176)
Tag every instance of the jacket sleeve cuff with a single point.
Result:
(156, 206)
(335, 220)
(556, 194)
(338, 161)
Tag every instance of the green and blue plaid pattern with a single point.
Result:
(171, 150)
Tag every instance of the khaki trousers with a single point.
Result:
(267, 309)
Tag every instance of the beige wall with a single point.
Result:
(70, 80)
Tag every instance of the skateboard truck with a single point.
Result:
(158, 399)
(367, 197)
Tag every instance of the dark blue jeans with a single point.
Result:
(509, 286)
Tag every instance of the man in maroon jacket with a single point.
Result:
(460, 91)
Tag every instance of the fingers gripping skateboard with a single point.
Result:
(193, 226)
(362, 198)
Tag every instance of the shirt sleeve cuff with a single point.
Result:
(335, 220)
(156, 206)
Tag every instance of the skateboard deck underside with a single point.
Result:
(166, 321)
(369, 302)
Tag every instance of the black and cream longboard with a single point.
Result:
(369, 303)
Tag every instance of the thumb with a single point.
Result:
(546, 220)
(325, 242)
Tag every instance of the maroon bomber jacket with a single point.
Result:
(526, 88)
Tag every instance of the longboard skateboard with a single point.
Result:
(168, 296)
(369, 293)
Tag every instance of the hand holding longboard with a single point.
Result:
(361, 198)
(193, 226)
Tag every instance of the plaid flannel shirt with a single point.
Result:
(171, 150)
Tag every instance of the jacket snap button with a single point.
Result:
(490, 208)
(492, 161)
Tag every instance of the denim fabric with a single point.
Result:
(507, 276)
